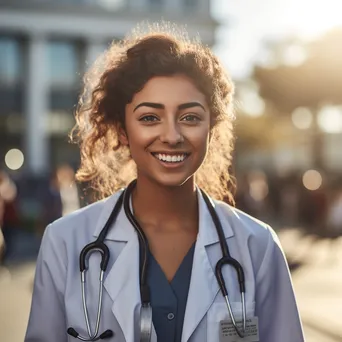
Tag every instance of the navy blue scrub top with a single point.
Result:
(168, 300)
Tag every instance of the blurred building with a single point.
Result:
(45, 47)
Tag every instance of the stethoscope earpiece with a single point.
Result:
(72, 332)
(107, 334)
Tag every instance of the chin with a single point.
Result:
(172, 181)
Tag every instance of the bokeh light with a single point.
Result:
(312, 180)
(14, 159)
(294, 55)
(251, 103)
(302, 118)
(258, 187)
(330, 119)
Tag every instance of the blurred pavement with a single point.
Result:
(317, 277)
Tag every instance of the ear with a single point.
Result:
(122, 135)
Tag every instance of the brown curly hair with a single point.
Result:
(121, 72)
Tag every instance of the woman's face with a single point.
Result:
(167, 126)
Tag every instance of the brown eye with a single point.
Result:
(148, 118)
(191, 118)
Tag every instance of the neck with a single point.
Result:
(157, 205)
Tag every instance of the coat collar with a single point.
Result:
(207, 233)
(121, 229)
(124, 232)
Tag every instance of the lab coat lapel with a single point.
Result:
(203, 285)
(122, 284)
(122, 280)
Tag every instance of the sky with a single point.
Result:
(245, 24)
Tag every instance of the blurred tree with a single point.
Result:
(313, 83)
(256, 132)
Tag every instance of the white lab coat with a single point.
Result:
(57, 302)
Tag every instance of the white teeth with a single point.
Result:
(169, 158)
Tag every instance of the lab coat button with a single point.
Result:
(170, 316)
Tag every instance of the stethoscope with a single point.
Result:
(146, 309)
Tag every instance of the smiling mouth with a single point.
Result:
(171, 158)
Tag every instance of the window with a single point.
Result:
(190, 4)
(156, 4)
(10, 61)
(11, 76)
(64, 63)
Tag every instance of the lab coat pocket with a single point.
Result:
(219, 312)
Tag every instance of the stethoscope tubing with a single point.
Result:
(146, 309)
(227, 260)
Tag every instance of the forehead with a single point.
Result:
(169, 90)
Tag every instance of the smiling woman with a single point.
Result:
(160, 112)
(172, 127)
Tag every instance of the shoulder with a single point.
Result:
(82, 222)
(256, 235)
(242, 223)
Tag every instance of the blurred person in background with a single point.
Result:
(61, 197)
(334, 219)
(67, 189)
(2, 239)
(160, 115)
(8, 193)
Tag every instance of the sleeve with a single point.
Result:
(276, 305)
(47, 317)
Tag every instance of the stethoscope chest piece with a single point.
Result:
(145, 323)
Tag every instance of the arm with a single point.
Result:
(275, 300)
(47, 318)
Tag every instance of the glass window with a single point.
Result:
(190, 4)
(111, 4)
(64, 63)
(10, 61)
(156, 3)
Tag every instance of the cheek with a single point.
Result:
(199, 138)
(139, 139)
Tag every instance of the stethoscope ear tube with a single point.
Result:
(146, 309)
(143, 244)
(92, 247)
(96, 246)
(227, 260)
(99, 244)
(240, 274)
(219, 275)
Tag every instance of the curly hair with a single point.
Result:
(122, 71)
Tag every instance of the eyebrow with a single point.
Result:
(161, 106)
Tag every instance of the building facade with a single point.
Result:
(45, 48)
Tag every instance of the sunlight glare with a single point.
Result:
(312, 18)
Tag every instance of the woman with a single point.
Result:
(160, 112)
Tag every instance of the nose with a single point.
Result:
(171, 134)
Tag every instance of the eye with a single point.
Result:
(148, 118)
(191, 118)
